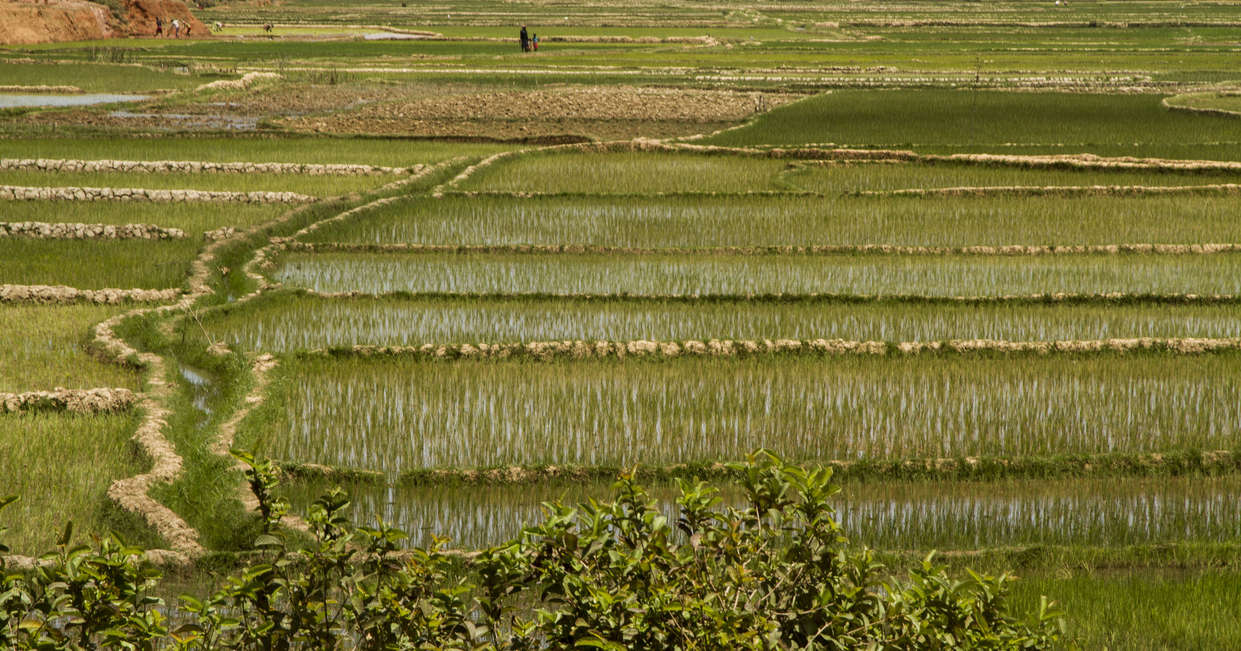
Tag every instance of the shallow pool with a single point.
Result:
(8, 100)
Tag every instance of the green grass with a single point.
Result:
(95, 77)
(895, 516)
(321, 186)
(627, 173)
(287, 323)
(400, 415)
(193, 218)
(61, 465)
(1224, 100)
(1142, 609)
(723, 275)
(285, 149)
(937, 117)
(46, 347)
(753, 221)
(96, 264)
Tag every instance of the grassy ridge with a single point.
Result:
(804, 221)
(288, 322)
(46, 347)
(720, 275)
(398, 415)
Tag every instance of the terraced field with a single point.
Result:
(984, 262)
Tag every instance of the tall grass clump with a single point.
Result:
(741, 275)
(399, 415)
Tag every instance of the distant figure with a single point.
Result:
(534, 40)
(525, 40)
(267, 28)
(188, 27)
(159, 26)
(219, 26)
(176, 28)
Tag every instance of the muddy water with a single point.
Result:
(8, 100)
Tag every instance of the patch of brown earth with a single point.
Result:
(599, 112)
(63, 20)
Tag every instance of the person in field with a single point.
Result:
(159, 26)
(525, 40)
(176, 28)
(534, 41)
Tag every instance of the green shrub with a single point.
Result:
(614, 575)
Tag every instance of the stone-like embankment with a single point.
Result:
(77, 401)
(196, 167)
(77, 231)
(30, 193)
(60, 294)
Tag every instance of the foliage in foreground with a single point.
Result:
(622, 574)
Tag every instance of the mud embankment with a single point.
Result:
(77, 231)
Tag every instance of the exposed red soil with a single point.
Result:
(44, 21)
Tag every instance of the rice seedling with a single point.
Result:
(288, 323)
(725, 275)
(1142, 609)
(61, 465)
(834, 179)
(895, 516)
(286, 149)
(627, 173)
(398, 415)
(322, 186)
(97, 264)
(922, 118)
(46, 347)
(801, 221)
(193, 218)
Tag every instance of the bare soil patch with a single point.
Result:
(600, 112)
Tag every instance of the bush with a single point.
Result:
(616, 575)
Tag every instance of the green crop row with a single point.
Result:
(723, 275)
(45, 347)
(894, 516)
(289, 322)
(801, 221)
(395, 415)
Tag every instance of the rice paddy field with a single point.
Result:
(662, 174)
(687, 222)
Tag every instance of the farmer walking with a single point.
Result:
(525, 39)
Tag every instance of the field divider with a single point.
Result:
(100, 400)
(132, 493)
(1200, 110)
(1111, 298)
(260, 369)
(1226, 189)
(40, 193)
(966, 468)
(828, 249)
(63, 295)
(644, 348)
(199, 167)
(80, 231)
